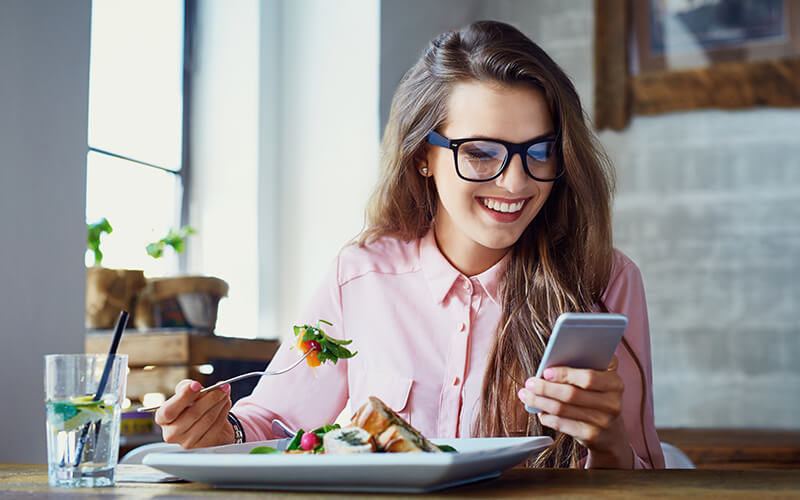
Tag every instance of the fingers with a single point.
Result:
(182, 429)
(586, 434)
(593, 380)
(205, 430)
(607, 401)
(186, 392)
(549, 406)
(188, 417)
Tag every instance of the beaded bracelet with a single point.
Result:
(238, 430)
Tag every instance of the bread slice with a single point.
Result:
(374, 416)
(348, 440)
(399, 438)
(390, 431)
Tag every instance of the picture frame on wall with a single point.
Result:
(658, 56)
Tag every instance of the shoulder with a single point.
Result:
(625, 283)
(622, 267)
(386, 255)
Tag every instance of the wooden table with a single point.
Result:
(30, 482)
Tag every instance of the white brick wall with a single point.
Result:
(708, 205)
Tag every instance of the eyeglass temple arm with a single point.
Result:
(438, 139)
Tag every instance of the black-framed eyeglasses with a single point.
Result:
(481, 160)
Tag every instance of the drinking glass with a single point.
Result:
(83, 431)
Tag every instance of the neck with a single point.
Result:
(468, 257)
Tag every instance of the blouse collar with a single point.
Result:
(442, 276)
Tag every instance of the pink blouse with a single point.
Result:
(422, 331)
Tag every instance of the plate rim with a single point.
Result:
(203, 462)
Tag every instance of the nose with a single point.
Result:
(514, 179)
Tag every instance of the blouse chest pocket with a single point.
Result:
(393, 390)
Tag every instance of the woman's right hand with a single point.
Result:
(195, 420)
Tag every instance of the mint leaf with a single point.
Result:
(294, 444)
(263, 450)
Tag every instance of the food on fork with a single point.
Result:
(327, 348)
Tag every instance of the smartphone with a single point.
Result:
(582, 340)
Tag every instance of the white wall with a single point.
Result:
(328, 132)
(285, 134)
(44, 56)
(224, 157)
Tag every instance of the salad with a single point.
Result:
(313, 338)
(373, 428)
(303, 442)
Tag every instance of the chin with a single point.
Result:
(500, 242)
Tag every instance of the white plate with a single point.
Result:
(232, 466)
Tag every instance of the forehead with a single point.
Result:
(512, 113)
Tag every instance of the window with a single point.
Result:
(135, 170)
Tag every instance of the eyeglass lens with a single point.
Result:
(483, 159)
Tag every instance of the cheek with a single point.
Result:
(456, 198)
(454, 193)
(543, 194)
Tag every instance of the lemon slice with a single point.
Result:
(68, 415)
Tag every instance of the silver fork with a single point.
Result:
(236, 379)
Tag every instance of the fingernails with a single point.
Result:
(530, 383)
(549, 374)
(195, 386)
(524, 394)
(226, 388)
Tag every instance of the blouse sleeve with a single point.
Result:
(304, 397)
(625, 295)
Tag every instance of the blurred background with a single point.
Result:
(260, 127)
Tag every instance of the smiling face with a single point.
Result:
(477, 222)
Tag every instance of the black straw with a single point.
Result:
(112, 351)
(121, 323)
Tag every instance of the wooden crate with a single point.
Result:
(159, 359)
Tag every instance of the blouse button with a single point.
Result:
(456, 381)
(462, 327)
(467, 285)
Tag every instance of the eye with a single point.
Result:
(482, 151)
(541, 151)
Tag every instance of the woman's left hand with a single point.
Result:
(587, 405)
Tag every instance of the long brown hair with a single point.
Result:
(562, 261)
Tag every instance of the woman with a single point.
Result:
(491, 217)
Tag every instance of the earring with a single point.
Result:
(425, 171)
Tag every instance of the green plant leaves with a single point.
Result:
(176, 240)
(93, 232)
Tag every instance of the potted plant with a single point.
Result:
(179, 301)
(108, 291)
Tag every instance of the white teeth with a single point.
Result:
(502, 206)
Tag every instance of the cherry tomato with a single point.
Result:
(313, 361)
(309, 441)
(308, 345)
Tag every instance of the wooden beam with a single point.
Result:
(737, 448)
(181, 347)
(725, 86)
(612, 93)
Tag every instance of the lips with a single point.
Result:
(503, 210)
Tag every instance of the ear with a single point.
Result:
(422, 168)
